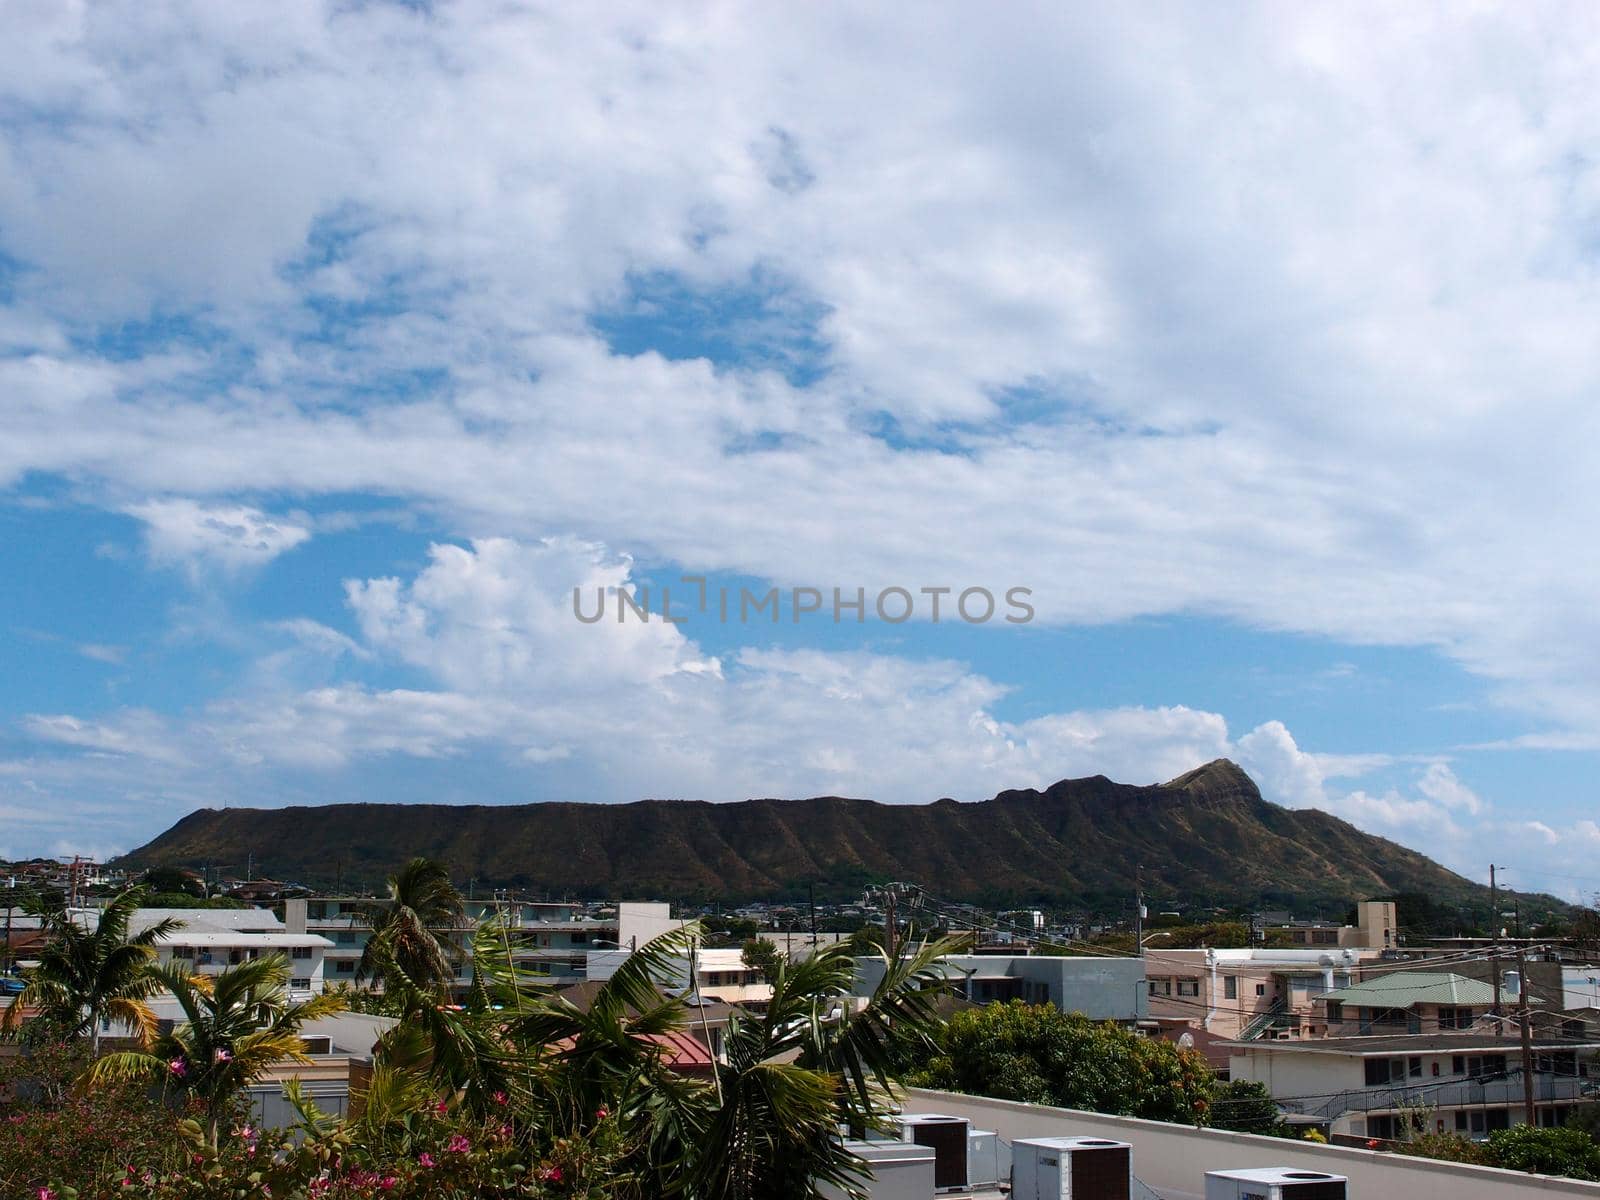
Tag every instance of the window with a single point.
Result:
(344, 968)
(1385, 1127)
(300, 952)
(1455, 1018)
(1477, 1121)
(1325, 937)
(1335, 1010)
(1161, 987)
(1383, 1071)
(1188, 987)
(300, 985)
(183, 952)
(1230, 987)
(1475, 1066)
(1261, 989)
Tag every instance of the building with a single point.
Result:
(1377, 928)
(1249, 993)
(554, 939)
(1171, 1161)
(1370, 1087)
(1103, 989)
(717, 975)
(213, 939)
(1408, 1002)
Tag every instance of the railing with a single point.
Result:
(1273, 1018)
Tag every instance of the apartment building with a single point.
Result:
(1248, 993)
(1452, 1083)
(213, 939)
(553, 939)
(1104, 989)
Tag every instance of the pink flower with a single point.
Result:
(601, 1113)
(425, 1159)
(499, 1097)
(440, 1108)
(178, 1067)
(458, 1144)
(505, 1131)
(223, 1055)
(45, 1193)
(551, 1174)
(388, 1183)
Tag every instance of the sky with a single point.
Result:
(342, 344)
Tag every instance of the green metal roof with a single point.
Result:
(1406, 988)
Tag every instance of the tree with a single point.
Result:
(237, 1025)
(1039, 1054)
(421, 900)
(87, 978)
(1246, 1106)
(808, 1065)
(760, 954)
(1569, 1152)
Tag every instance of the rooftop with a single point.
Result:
(1404, 989)
(1415, 1043)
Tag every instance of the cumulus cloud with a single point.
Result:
(1285, 324)
(229, 538)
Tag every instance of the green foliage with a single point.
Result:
(87, 977)
(403, 944)
(762, 955)
(239, 1024)
(1246, 1106)
(1569, 1152)
(173, 881)
(1452, 1147)
(1039, 1054)
(520, 1094)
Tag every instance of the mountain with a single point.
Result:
(1205, 837)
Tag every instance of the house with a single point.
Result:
(1407, 1002)
(1468, 1083)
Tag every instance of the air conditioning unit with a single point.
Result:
(1071, 1168)
(1275, 1183)
(947, 1138)
(984, 1165)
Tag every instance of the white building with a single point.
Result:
(213, 939)
(1454, 1082)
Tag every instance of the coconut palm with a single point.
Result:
(810, 1063)
(237, 1024)
(421, 900)
(88, 977)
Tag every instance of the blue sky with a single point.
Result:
(339, 344)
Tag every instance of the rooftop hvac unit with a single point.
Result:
(1274, 1183)
(1071, 1168)
(984, 1168)
(947, 1138)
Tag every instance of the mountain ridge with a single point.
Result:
(1206, 836)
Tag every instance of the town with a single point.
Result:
(1331, 1053)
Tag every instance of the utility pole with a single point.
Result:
(811, 897)
(890, 925)
(1494, 933)
(1138, 909)
(1527, 1039)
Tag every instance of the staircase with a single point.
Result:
(1266, 1022)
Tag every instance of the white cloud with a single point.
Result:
(197, 536)
(1288, 326)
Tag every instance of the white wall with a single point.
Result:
(1175, 1158)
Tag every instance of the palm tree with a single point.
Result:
(86, 977)
(420, 902)
(808, 1065)
(237, 1025)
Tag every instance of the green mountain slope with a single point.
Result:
(1207, 836)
